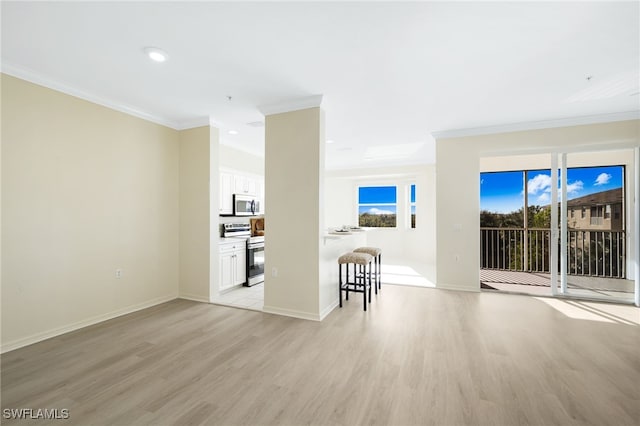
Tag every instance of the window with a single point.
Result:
(573, 213)
(597, 212)
(607, 211)
(377, 206)
(584, 212)
(412, 206)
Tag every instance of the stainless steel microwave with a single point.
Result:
(245, 205)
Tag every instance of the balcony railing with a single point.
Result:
(590, 253)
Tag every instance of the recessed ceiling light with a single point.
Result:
(233, 132)
(330, 141)
(155, 54)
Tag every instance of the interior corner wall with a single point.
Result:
(293, 170)
(458, 162)
(194, 213)
(86, 191)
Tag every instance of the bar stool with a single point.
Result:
(361, 282)
(377, 255)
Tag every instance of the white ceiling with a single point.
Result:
(390, 73)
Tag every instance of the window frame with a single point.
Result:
(373, 184)
(411, 205)
(403, 203)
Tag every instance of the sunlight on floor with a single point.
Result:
(593, 311)
(403, 275)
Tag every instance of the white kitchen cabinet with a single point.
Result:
(245, 185)
(233, 264)
(240, 266)
(260, 194)
(234, 182)
(226, 192)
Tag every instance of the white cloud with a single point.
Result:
(544, 198)
(575, 187)
(539, 183)
(374, 210)
(603, 179)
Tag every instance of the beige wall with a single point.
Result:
(85, 190)
(194, 213)
(294, 163)
(458, 166)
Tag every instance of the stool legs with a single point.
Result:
(378, 273)
(363, 280)
(369, 276)
(340, 283)
(347, 295)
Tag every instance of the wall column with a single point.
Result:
(294, 179)
(198, 225)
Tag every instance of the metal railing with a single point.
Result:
(590, 253)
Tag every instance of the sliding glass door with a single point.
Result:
(593, 225)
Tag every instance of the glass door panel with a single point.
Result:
(593, 226)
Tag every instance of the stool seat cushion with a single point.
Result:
(373, 251)
(357, 258)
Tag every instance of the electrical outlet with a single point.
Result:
(457, 258)
(118, 273)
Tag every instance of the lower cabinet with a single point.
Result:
(233, 264)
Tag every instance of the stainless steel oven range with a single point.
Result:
(255, 250)
(255, 261)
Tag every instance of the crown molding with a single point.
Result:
(195, 122)
(291, 105)
(536, 125)
(37, 78)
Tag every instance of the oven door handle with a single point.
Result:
(255, 246)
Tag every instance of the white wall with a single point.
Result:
(458, 166)
(330, 250)
(340, 208)
(85, 191)
(400, 244)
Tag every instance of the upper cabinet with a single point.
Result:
(235, 182)
(245, 185)
(226, 193)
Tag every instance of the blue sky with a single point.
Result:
(502, 192)
(376, 199)
(380, 199)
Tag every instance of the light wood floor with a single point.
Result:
(418, 357)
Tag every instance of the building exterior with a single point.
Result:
(598, 211)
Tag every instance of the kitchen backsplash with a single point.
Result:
(234, 219)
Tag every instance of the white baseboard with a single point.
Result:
(457, 287)
(38, 337)
(326, 311)
(193, 297)
(291, 313)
